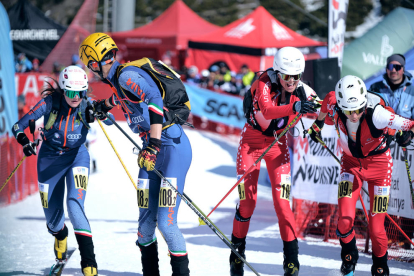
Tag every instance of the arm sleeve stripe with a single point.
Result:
(155, 108)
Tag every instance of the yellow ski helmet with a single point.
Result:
(95, 47)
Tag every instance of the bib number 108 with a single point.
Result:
(167, 196)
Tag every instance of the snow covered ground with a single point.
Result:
(26, 248)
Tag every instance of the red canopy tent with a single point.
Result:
(251, 40)
(168, 32)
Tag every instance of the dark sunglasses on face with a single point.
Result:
(72, 94)
(286, 77)
(358, 111)
(396, 66)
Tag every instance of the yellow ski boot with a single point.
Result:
(90, 271)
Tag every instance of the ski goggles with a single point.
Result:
(397, 67)
(108, 58)
(72, 94)
(357, 111)
(287, 77)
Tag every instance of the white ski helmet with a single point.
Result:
(351, 93)
(290, 61)
(73, 78)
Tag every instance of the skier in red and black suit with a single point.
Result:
(363, 121)
(279, 96)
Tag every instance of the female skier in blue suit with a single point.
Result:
(63, 156)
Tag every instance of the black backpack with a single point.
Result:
(177, 106)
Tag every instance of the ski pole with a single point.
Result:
(12, 173)
(119, 157)
(191, 204)
(32, 127)
(407, 166)
(339, 162)
(257, 161)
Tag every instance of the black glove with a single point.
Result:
(316, 129)
(304, 107)
(100, 108)
(403, 138)
(148, 156)
(90, 118)
(29, 148)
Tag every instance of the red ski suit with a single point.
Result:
(267, 108)
(368, 159)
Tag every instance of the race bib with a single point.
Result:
(345, 185)
(143, 193)
(44, 191)
(285, 184)
(80, 175)
(381, 197)
(167, 197)
(242, 193)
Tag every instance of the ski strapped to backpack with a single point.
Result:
(56, 101)
(177, 106)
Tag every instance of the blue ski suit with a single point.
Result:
(157, 203)
(62, 156)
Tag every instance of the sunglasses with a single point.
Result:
(94, 65)
(72, 94)
(287, 77)
(397, 67)
(358, 111)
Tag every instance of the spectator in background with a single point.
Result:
(397, 89)
(230, 86)
(35, 64)
(192, 75)
(23, 64)
(213, 77)
(21, 106)
(204, 78)
(396, 86)
(247, 76)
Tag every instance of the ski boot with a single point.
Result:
(179, 265)
(61, 249)
(90, 271)
(149, 259)
(380, 266)
(349, 256)
(290, 258)
(86, 250)
(236, 265)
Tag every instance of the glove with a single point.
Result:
(148, 156)
(29, 148)
(316, 129)
(90, 118)
(304, 107)
(100, 108)
(403, 138)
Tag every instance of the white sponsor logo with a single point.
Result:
(143, 183)
(381, 60)
(279, 32)
(34, 34)
(382, 190)
(352, 100)
(137, 119)
(16, 127)
(74, 136)
(57, 135)
(242, 29)
(43, 187)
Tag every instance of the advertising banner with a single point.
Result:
(215, 106)
(338, 10)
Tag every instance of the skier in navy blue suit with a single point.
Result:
(166, 148)
(63, 156)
